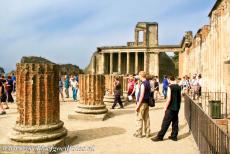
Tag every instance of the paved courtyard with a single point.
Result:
(114, 135)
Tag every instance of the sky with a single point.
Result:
(69, 31)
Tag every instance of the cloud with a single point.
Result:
(68, 31)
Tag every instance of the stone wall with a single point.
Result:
(210, 49)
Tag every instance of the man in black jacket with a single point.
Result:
(172, 108)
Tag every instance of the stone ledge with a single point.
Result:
(88, 117)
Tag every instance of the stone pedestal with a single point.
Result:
(109, 88)
(38, 104)
(91, 105)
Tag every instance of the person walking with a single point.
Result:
(172, 108)
(142, 108)
(165, 86)
(67, 86)
(117, 93)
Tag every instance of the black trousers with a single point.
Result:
(170, 116)
(117, 100)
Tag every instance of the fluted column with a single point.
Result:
(136, 62)
(128, 62)
(111, 63)
(38, 104)
(91, 105)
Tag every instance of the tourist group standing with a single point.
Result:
(65, 84)
(7, 86)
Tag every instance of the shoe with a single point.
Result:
(156, 139)
(172, 138)
(147, 135)
(137, 135)
(2, 112)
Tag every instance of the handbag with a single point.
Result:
(130, 98)
(151, 102)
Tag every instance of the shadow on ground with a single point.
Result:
(79, 136)
(170, 129)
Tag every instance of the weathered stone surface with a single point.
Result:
(91, 105)
(38, 104)
(209, 50)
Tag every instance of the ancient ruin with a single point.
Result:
(38, 104)
(142, 54)
(91, 105)
(209, 51)
(109, 89)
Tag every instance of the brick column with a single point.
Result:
(91, 105)
(38, 104)
(109, 88)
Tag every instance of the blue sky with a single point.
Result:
(68, 31)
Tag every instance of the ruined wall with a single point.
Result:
(210, 49)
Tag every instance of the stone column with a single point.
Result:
(38, 104)
(136, 62)
(136, 37)
(109, 89)
(103, 63)
(119, 62)
(128, 62)
(111, 63)
(91, 105)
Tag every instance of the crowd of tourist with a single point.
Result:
(65, 84)
(7, 87)
(143, 88)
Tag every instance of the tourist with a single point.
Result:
(200, 83)
(172, 108)
(195, 86)
(117, 93)
(136, 87)
(2, 111)
(76, 77)
(9, 89)
(74, 85)
(156, 89)
(3, 92)
(14, 82)
(185, 84)
(165, 86)
(142, 108)
(61, 89)
(67, 86)
(151, 81)
(131, 83)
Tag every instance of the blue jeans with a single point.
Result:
(74, 94)
(165, 92)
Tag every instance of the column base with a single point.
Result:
(89, 112)
(108, 100)
(37, 134)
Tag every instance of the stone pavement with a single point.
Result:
(114, 135)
